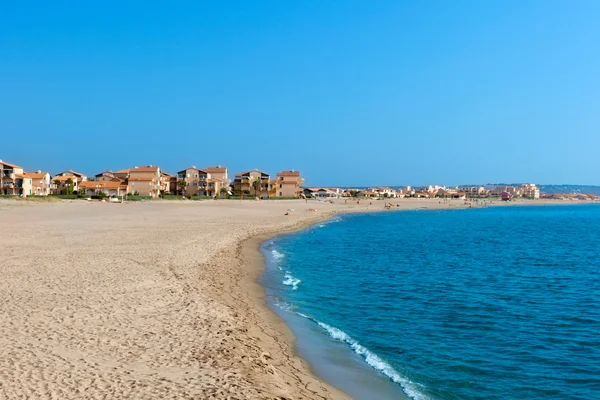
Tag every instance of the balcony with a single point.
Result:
(8, 185)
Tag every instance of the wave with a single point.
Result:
(374, 361)
(285, 306)
(409, 387)
(291, 281)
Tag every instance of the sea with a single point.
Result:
(488, 303)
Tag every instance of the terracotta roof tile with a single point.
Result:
(216, 170)
(9, 164)
(35, 175)
(288, 173)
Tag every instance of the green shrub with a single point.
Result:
(172, 197)
(65, 196)
(138, 198)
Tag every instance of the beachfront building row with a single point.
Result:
(209, 182)
(16, 182)
(260, 184)
(148, 181)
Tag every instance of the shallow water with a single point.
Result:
(496, 303)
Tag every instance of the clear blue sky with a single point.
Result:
(348, 92)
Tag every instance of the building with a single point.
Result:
(59, 185)
(385, 192)
(218, 172)
(370, 193)
(13, 181)
(322, 192)
(472, 191)
(287, 184)
(218, 181)
(144, 181)
(253, 183)
(531, 191)
(192, 181)
(74, 175)
(40, 182)
(106, 176)
(169, 182)
(108, 187)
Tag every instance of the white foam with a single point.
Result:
(277, 256)
(283, 305)
(291, 281)
(410, 388)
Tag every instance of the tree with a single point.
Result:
(256, 186)
(69, 183)
(354, 193)
(223, 191)
(181, 184)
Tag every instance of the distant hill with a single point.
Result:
(583, 189)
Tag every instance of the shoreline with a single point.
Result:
(253, 262)
(250, 255)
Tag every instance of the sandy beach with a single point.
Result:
(152, 300)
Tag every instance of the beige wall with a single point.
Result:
(43, 188)
(144, 188)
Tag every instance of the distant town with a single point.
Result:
(213, 182)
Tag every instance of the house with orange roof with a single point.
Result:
(218, 172)
(59, 182)
(144, 181)
(218, 180)
(40, 182)
(288, 184)
(13, 181)
(108, 187)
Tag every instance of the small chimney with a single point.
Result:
(39, 171)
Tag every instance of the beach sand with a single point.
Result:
(152, 300)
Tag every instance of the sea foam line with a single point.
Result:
(372, 359)
(292, 281)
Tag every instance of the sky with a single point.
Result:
(351, 93)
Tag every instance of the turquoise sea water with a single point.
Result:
(495, 303)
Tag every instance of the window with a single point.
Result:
(280, 186)
(280, 194)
